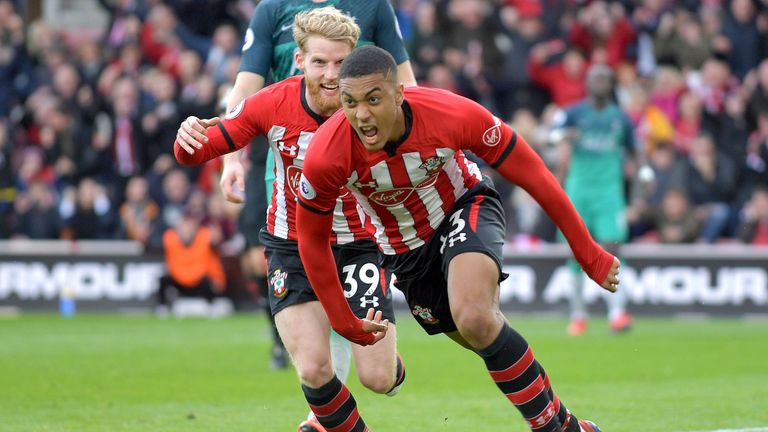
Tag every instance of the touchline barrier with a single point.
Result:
(696, 279)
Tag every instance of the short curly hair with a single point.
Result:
(326, 22)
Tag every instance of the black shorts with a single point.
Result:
(366, 285)
(253, 215)
(475, 224)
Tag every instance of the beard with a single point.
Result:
(327, 105)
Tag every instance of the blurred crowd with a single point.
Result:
(87, 123)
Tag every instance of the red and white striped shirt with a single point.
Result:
(409, 191)
(281, 113)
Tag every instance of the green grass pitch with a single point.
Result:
(137, 373)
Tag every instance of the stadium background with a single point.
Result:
(91, 95)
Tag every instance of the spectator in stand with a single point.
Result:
(190, 69)
(12, 54)
(87, 213)
(125, 148)
(194, 266)
(57, 139)
(673, 222)
(125, 20)
(225, 48)
(428, 41)
(125, 65)
(713, 85)
(744, 38)
(732, 138)
(36, 215)
(90, 62)
(159, 42)
(603, 27)
(757, 86)
(523, 29)
(668, 85)
(158, 123)
(754, 219)
(668, 171)
(7, 186)
(471, 51)
(651, 125)
(757, 152)
(175, 194)
(691, 122)
(680, 41)
(139, 213)
(562, 79)
(711, 183)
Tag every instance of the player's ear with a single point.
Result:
(399, 94)
(298, 59)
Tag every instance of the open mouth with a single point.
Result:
(330, 88)
(369, 134)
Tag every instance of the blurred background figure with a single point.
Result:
(139, 213)
(597, 148)
(87, 212)
(193, 263)
(754, 218)
(38, 218)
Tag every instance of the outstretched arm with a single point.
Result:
(526, 169)
(314, 230)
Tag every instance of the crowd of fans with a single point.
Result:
(87, 123)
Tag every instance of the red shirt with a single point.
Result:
(279, 112)
(409, 193)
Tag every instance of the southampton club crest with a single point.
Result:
(432, 165)
(277, 282)
(425, 314)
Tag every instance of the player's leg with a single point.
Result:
(341, 356)
(578, 307)
(471, 259)
(305, 330)
(379, 368)
(611, 231)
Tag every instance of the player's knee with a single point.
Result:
(378, 380)
(477, 325)
(314, 373)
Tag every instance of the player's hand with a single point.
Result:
(191, 133)
(611, 282)
(232, 181)
(374, 325)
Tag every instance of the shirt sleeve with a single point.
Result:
(525, 168)
(484, 134)
(323, 173)
(320, 185)
(235, 131)
(387, 35)
(257, 46)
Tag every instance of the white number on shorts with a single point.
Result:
(455, 235)
(368, 274)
